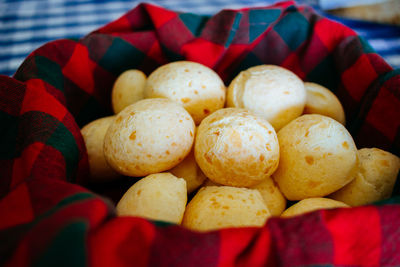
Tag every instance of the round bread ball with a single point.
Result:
(317, 157)
(273, 198)
(198, 88)
(149, 136)
(159, 196)
(277, 94)
(93, 135)
(321, 100)
(312, 204)
(127, 89)
(190, 171)
(237, 148)
(216, 207)
(374, 181)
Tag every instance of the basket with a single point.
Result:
(48, 216)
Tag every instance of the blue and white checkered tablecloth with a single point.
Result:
(26, 25)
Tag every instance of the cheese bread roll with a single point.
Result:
(320, 100)
(317, 157)
(312, 204)
(237, 148)
(273, 92)
(93, 135)
(149, 136)
(127, 89)
(216, 207)
(273, 197)
(190, 171)
(198, 88)
(159, 196)
(374, 180)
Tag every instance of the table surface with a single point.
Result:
(26, 25)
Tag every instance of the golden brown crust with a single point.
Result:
(216, 207)
(374, 180)
(318, 156)
(273, 92)
(127, 89)
(150, 136)
(93, 135)
(198, 88)
(160, 196)
(321, 100)
(272, 195)
(190, 171)
(312, 204)
(234, 147)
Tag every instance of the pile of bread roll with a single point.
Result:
(237, 153)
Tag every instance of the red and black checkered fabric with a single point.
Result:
(47, 216)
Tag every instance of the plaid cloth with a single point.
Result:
(26, 25)
(48, 218)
